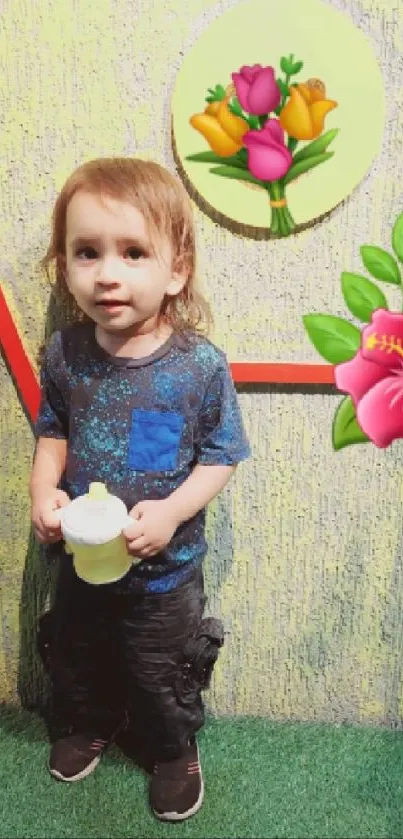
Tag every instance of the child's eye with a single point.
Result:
(134, 253)
(86, 253)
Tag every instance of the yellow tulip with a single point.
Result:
(304, 114)
(213, 108)
(221, 128)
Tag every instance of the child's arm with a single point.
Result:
(49, 464)
(157, 521)
(198, 490)
(48, 467)
(52, 431)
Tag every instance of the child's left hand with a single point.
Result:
(154, 524)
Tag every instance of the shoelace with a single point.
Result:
(98, 744)
(193, 767)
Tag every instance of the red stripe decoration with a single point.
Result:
(18, 362)
(250, 372)
(243, 372)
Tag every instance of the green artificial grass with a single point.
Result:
(262, 780)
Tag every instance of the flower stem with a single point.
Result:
(274, 226)
(242, 155)
(282, 222)
(287, 82)
(292, 144)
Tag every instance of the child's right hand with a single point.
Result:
(46, 522)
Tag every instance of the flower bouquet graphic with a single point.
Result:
(369, 362)
(254, 127)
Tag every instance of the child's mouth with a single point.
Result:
(111, 305)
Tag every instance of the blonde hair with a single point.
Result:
(167, 210)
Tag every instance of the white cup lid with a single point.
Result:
(94, 519)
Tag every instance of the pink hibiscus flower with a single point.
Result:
(374, 378)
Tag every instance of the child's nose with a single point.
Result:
(108, 272)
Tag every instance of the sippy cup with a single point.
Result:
(92, 528)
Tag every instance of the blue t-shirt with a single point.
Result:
(140, 426)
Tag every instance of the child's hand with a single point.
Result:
(154, 524)
(46, 522)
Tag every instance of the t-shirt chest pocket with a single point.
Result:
(155, 438)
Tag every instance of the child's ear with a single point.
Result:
(177, 283)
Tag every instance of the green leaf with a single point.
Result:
(235, 107)
(212, 157)
(334, 338)
(362, 296)
(317, 146)
(236, 174)
(302, 166)
(345, 429)
(286, 65)
(380, 264)
(204, 157)
(216, 94)
(397, 237)
(297, 67)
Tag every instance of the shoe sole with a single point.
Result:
(178, 817)
(80, 775)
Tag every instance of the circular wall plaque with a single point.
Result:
(277, 114)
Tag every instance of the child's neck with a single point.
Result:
(142, 344)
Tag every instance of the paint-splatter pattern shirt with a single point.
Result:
(140, 426)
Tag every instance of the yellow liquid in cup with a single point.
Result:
(99, 564)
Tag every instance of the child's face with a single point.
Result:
(110, 267)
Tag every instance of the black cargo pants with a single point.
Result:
(112, 653)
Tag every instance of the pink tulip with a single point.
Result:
(257, 89)
(268, 157)
(374, 378)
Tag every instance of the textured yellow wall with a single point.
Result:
(308, 576)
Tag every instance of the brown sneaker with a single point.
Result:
(177, 788)
(76, 756)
